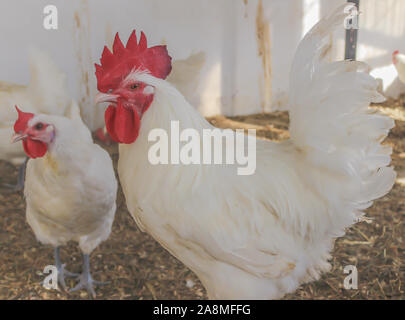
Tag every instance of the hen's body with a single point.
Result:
(71, 191)
(47, 93)
(186, 73)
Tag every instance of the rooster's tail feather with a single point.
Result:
(331, 121)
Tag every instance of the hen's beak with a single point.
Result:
(105, 97)
(18, 137)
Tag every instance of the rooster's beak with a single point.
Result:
(18, 137)
(105, 97)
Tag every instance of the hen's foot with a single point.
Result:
(86, 281)
(62, 272)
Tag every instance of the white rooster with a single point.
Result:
(70, 186)
(46, 93)
(257, 236)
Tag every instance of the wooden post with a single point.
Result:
(351, 38)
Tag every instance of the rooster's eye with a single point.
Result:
(39, 126)
(133, 86)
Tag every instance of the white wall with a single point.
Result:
(248, 44)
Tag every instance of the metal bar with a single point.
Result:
(351, 38)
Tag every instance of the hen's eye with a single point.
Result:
(39, 126)
(133, 86)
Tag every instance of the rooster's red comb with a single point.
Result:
(115, 66)
(22, 122)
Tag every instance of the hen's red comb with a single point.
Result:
(22, 122)
(115, 66)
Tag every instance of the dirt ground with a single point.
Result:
(137, 267)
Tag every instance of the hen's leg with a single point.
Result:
(20, 179)
(62, 272)
(86, 281)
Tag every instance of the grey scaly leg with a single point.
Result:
(86, 281)
(20, 178)
(62, 272)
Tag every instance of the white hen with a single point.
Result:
(46, 93)
(399, 62)
(70, 186)
(257, 236)
(186, 73)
